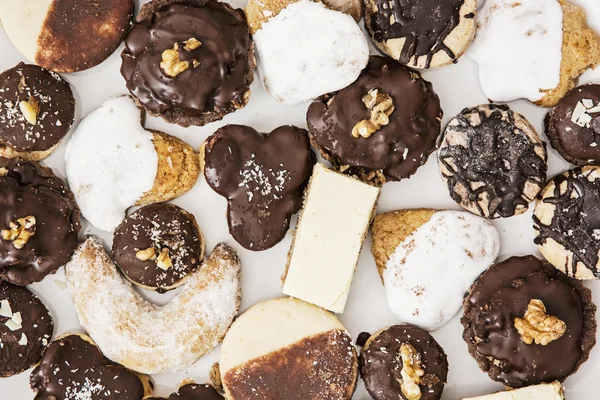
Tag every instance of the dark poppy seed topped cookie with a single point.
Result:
(157, 246)
(526, 323)
(39, 222)
(492, 160)
(573, 126)
(192, 391)
(25, 329)
(382, 127)
(190, 62)
(262, 176)
(37, 110)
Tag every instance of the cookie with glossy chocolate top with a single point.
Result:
(573, 126)
(66, 35)
(492, 160)
(388, 354)
(521, 343)
(37, 111)
(382, 127)
(192, 391)
(72, 367)
(39, 222)
(157, 246)
(566, 221)
(262, 176)
(190, 62)
(424, 34)
(25, 329)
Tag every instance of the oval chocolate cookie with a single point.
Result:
(492, 160)
(403, 362)
(66, 35)
(422, 34)
(157, 246)
(567, 222)
(39, 222)
(381, 127)
(192, 391)
(526, 323)
(72, 367)
(25, 329)
(262, 176)
(38, 109)
(573, 126)
(190, 62)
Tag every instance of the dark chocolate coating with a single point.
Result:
(425, 24)
(578, 145)
(226, 60)
(30, 189)
(502, 294)
(262, 176)
(158, 226)
(37, 326)
(498, 154)
(78, 35)
(381, 363)
(73, 367)
(57, 108)
(192, 391)
(576, 220)
(397, 149)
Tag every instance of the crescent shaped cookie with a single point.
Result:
(144, 337)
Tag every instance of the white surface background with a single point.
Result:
(367, 309)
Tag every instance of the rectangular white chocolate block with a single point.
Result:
(545, 391)
(329, 237)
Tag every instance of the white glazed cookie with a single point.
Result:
(428, 259)
(544, 391)
(144, 337)
(113, 163)
(306, 50)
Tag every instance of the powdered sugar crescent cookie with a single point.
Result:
(304, 49)
(113, 163)
(288, 349)
(419, 251)
(145, 337)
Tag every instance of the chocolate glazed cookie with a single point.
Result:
(192, 391)
(263, 177)
(382, 127)
(492, 160)
(190, 62)
(526, 323)
(389, 354)
(39, 221)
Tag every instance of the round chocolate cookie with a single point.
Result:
(72, 367)
(25, 329)
(382, 127)
(190, 62)
(492, 160)
(526, 323)
(403, 362)
(38, 109)
(422, 34)
(39, 222)
(566, 221)
(157, 246)
(192, 391)
(573, 126)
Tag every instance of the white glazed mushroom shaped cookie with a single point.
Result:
(114, 163)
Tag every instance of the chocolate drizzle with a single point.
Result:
(263, 178)
(424, 24)
(381, 363)
(502, 294)
(28, 189)
(575, 223)
(192, 391)
(491, 164)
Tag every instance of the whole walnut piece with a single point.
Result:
(171, 63)
(411, 372)
(380, 106)
(538, 326)
(20, 231)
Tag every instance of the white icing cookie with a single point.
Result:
(518, 48)
(428, 274)
(308, 50)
